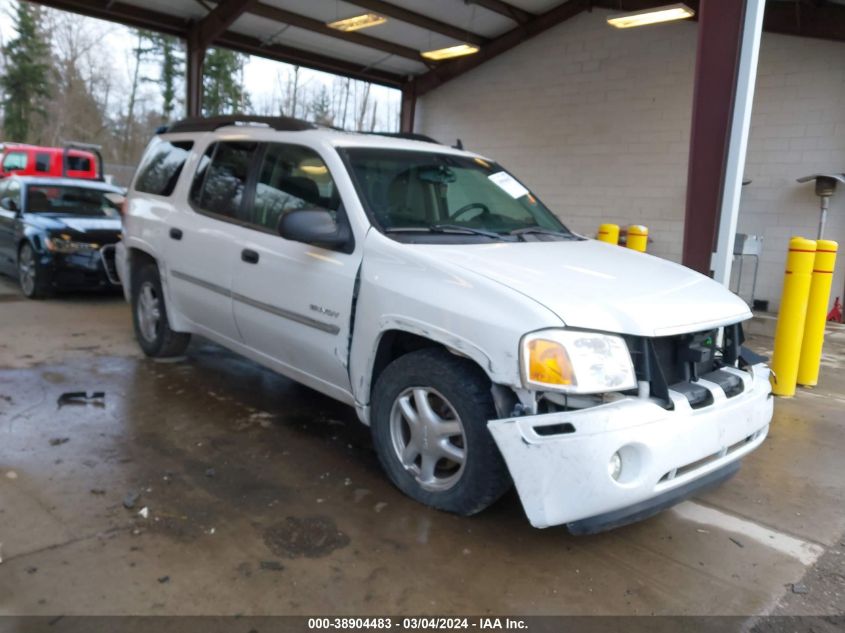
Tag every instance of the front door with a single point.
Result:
(293, 301)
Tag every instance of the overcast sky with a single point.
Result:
(259, 74)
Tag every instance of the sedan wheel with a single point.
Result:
(28, 271)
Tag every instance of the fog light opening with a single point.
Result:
(614, 466)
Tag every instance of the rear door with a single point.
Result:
(293, 301)
(201, 244)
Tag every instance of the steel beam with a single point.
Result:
(316, 61)
(317, 26)
(720, 27)
(138, 17)
(193, 80)
(219, 19)
(738, 142)
(451, 69)
(408, 108)
(418, 19)
(520, 16)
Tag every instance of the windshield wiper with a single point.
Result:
(446, 228)
(539, 230)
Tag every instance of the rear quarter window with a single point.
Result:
(78, 163)
(160, 169)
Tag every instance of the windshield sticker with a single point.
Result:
(508, 184)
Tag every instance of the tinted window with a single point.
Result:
(14, 160)
(161, 167)
(291, 177)
(42, 161)
(64, 199)
(220, 182)
(78, 163)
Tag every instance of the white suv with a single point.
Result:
(482, 341)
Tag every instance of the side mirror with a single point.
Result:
(313, 226)
(9, 204)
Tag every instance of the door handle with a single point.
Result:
(249, 256)
(176, 234)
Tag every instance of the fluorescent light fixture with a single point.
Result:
(667, 13)
(451, 51)
(357, 22)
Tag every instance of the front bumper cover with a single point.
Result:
(559, 461)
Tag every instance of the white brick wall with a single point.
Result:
(596, 121)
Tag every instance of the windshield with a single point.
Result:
(82, 201)
(408, 191)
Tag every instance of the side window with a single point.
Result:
(291, 177)
(14, 160)
(78, 163)
(220, 181)
(161, 167)
(42, 162)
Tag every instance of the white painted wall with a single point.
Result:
(596, 121)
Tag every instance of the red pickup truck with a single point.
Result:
(72, 161)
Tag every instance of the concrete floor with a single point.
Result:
(264, 497)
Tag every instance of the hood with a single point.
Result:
(598, 286)
(76, 224)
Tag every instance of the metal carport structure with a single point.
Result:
(296, 32)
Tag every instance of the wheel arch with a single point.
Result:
(136, 257)
(399, 339)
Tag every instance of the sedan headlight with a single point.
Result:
(576, 362)
(63, 244)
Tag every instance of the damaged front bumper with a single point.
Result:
(560, 461)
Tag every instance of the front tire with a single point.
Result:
(149, 316)
(30, 276)
(429, 425)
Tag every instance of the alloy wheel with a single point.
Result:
(428, 438)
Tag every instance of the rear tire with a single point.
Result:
(149, 316)
(429, 425)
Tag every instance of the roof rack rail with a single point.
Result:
(411, 136)
(209, 124)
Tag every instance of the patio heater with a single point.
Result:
(825, 186)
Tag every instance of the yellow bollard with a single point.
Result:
(792, 314)
(811, 346)
(608, 233)
(637, 237)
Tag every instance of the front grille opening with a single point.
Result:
(688, 468)
(697, 395)
(563, 428)
(730, 383)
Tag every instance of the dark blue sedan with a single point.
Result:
(58, 233)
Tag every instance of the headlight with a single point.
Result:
(63, 244)
(576, 362)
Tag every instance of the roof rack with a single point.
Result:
(85, 147)
(411, 136)
(209, 124)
